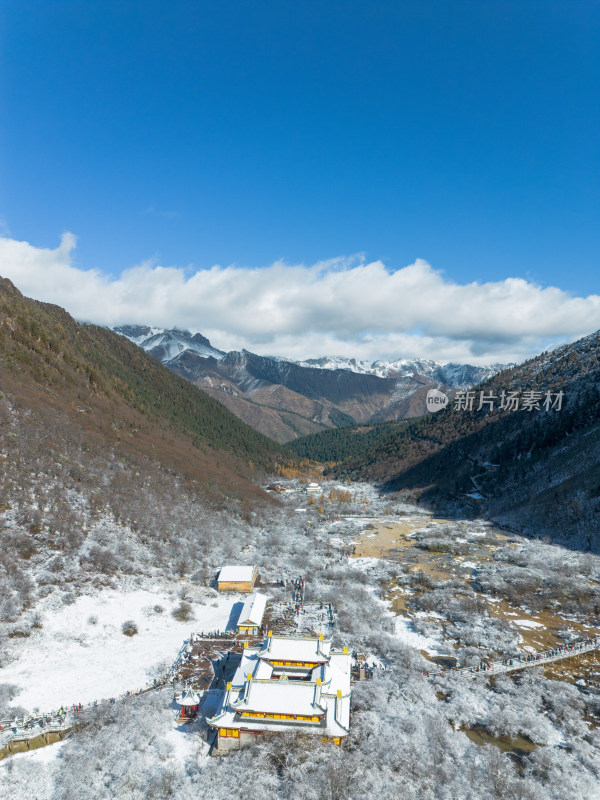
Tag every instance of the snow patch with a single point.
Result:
(406, 633)
(527, 623)
(72, 661)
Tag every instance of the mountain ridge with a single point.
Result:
(286, 399)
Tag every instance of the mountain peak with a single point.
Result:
(168, 344)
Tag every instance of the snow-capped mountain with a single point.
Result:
(402, 366)
(459, 376)
(165, 345)
(285, 398)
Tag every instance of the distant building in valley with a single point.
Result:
(235, 578)
(251, 616)
(287, 683)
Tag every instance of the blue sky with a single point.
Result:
(191, 134)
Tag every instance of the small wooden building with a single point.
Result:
(251, 616)
(236, 578)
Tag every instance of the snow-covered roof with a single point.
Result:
(291, 648)
(188, 698)
(339, 664)
(327, 690)
(333, 673)
(262, 669)
(289, 698)
(254, 609)
(280, 697)
(246, 666)
(236, 573)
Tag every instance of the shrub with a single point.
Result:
(129, 628)
(36, 620)
(183, 612)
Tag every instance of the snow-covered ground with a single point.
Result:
(30, 775)
(405, 632)
(184, 744)
(74, 659)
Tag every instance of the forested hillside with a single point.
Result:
(533, 468)
(111, 466)
(43, 348)
(339, 444)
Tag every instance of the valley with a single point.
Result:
(410, 592)
(299, 401)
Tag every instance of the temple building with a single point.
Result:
(251, 615)
(287, 683)
(236, 578)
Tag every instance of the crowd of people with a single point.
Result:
(66, 716)
(361, 670)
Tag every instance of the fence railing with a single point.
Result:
(498, 666)
(64, 718)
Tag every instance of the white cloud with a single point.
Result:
(346, 307)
